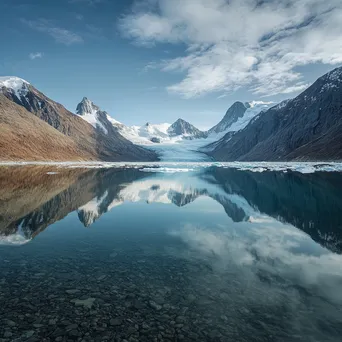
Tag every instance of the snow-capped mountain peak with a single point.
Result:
(86, 107)
(184, 128)
(89, 112)
(239, 115)
(16, 85)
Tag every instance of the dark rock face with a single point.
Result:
(155, 140)
(236, 111)
(308, 127)
(89, 140)
(182, 127)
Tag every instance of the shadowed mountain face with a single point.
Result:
(307, 127)
(236, 111)
(31, 199)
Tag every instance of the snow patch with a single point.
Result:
(335, 75)
(93, 119)
(90, 113)
(253, 104)
(142, 135)
(18, 86)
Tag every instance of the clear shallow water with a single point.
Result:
(215, 254)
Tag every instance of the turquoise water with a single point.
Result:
(208, 255)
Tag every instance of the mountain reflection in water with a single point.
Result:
(310, 202)
(215, 254)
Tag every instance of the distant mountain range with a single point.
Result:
(236, 118)
(308, 127)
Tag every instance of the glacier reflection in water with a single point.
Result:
(213, 254)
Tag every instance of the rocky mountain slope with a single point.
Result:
(308, 127)
(86, 141)
(186, 130)
(236, 111)
(239, 115)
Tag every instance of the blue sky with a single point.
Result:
(158, 60)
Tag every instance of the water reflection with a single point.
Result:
(212, 255)
(34, 198)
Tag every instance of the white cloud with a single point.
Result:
(61, 35)
(266, 245)
(238, 43)
(35, 55)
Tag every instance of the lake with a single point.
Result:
(146, 254)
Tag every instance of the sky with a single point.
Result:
(160, 60)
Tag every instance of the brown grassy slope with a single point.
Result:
(24, 189)
(23, 136)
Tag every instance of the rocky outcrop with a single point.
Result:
(307, 127)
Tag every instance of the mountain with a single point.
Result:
(24, 136)
(70, 137)
(308, 127)
(236, 111)
(96, 117)
(186, 130)
(239, 115)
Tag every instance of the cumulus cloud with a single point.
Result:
(237, 43)
(60, 35)
(35, 55)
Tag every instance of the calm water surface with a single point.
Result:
(210, 255)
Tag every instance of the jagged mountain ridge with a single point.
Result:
(90, 143)
(235, 119)
(307, 127)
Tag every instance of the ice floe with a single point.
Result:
(173, 166)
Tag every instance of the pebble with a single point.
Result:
(115, 321)
(11, 323)
(154, 305)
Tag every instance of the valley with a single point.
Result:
(295, 129)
